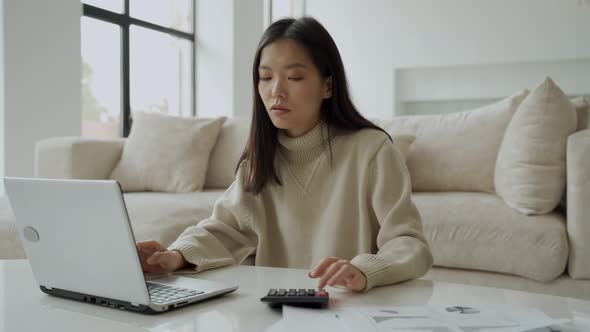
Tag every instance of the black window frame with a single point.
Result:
(124, 21)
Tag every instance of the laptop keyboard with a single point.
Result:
(163, 293)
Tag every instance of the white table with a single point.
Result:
(23, 307)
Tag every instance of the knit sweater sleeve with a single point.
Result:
(225, 238)
(403, 252)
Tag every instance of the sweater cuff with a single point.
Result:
(191, 254)
(374, 267)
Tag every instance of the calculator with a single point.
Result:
(310, 298)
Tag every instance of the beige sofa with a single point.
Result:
(475, 237)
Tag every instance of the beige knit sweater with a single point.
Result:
(359, 209)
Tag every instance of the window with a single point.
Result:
(137, 55)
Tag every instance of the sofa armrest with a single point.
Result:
(77, 157)
(578, 204)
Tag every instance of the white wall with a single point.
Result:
(227, 32)
(41, 60)
(375, 37)
(2, 95)
(247, 31)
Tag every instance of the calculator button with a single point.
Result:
(322, 293)
(311, 292)
(282, 292)
(272, 292)
(292, 292)
(301, 292)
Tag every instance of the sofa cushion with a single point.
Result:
(583, 115)
(455, 151)
(226, 152)
(479, 231)
(166, 153)
(578, 203)
(163, 216)
(530, 170)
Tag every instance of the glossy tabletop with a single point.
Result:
(23, 307)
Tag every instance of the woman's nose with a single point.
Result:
(278, 90)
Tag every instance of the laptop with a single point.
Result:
(80, 245)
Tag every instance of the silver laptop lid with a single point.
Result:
(77, 236)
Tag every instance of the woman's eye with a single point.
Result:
(265, 78)
(295, 78)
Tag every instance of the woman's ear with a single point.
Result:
(328, 87)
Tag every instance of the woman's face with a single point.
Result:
(291, 87)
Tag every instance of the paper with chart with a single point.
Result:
(428, 318)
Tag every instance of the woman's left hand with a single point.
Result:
(334, 271)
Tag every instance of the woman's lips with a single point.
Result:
(279, 111)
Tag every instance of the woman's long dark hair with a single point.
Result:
(337, 111)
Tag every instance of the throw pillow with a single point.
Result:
(457, 151)
(530, 171)
(226, 152)
(166, 153)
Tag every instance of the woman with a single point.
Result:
(317, 184)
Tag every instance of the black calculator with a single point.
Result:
(310, 298)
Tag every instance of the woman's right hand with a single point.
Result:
(157, 259)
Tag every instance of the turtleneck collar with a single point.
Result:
(305, 147)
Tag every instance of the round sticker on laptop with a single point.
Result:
(30, 234)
